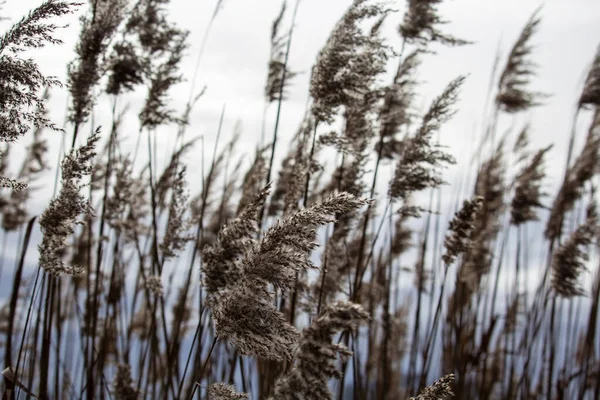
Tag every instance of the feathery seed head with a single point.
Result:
(221, 391)
(419, 165)
(569, 260)
(591, 90)
(420, 24)
(439, 390)
(317, 355)
(58, 220)
(527, 190)
(459, 236)
(513, 95)
(349, 63)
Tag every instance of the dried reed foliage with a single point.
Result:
(85, 72)
(315, 360)
(222, 268)
(420, 24)
(220, 391)
(395, 112)
(528, 193)
(14, 212)
(572, 189)
(513, 94)
(58, 220)
(247, 273)
(590, 96)
(244, 313)
(124, 386)
(278, 72)
(439, 390)
(421, 161)
(569, 260)
(176, 234)
(458, 239)
(349, 63)
(21, 79)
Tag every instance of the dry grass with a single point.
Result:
(292, 289)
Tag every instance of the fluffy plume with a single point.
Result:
(279, 74)
(591, 90)
(124, 387)
(58, 220)
(177, 223)
(527, 190)
(221, 391)
(156, 111)
(20, 79)
(15, 210)
(85, 71)
(439, 390)
(169, 175)
(154, 285)
(289, 186)
(349, 62)
(583, 170)
(254, 179)
(126, 69)
(316, 358)
(287, 245)
(477, 259)
(458, 239)
(419, 164)
(513, 95)
(245, 313)
(222, 260)
(127, 208)
(245, 316)
(421, 23)
(569, 260)
(395, 111)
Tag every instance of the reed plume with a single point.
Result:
(348, 63)
(569, 260)
(420, 24)
(21, 79)
(439, 390)
(278, 72)
(222, 267)
(245, 313)
(315, 360)
(458, 239)
(86, 70)
(176, 235)
(590, 96)
(513, 95)
(221, 391)
(582, 171)
(124, 386)
(14, 211)
(528, 190)
(58, 220)
(420, 163)
(395, 111)
(156, 110)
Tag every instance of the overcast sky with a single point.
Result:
(234, 67)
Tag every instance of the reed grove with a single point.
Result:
(328, 267)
